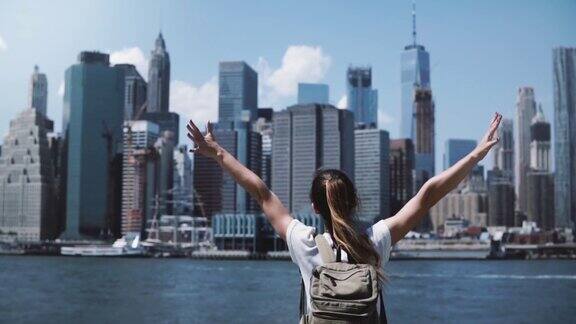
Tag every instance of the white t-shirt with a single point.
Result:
(304, 252)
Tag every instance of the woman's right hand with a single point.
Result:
(204, 144)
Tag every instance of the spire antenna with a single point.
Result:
(414, 22)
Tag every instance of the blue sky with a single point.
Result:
(481, 51)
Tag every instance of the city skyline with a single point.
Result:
(195, 59)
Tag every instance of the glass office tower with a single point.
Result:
(564, 59)
(92, 135)
(307, 137)
(238, 95)
(415, 66)
(237, 109)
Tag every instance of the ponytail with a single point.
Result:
(337, 205)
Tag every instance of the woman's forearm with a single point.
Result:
(206, 144)
(440, 185)
(271, 205)
(249, 180)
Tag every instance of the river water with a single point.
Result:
(106, 290)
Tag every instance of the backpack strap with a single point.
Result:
(302, 301)
(383, 319)
(324, 248)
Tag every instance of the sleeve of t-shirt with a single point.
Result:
(379, 233)
(300, 241)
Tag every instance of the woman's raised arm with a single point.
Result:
(439, 186)
(272, 207)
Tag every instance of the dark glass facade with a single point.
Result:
(564, 64)
(92, 135)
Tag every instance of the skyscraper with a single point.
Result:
(423, 136)
(38, 95)
(564, 64)
(214, 190)
(26, 179)
(539, 180)
(237, 109)
(158, 93)
(159, 77)
(525, 111)
(307, 137)
(139, 174)
(415, 74)
(135, 92)
(401, 176)
(503, 151)
(456, 149)
(238, 94)
(92, 132)
(372, 173)
(362, 99)
(313, 93)
(424, 143)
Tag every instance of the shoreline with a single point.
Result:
(435, 251)
(285, 259)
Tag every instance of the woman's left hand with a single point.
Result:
(489, 140)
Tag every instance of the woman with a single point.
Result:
(333, 196)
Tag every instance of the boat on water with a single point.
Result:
(122, 247)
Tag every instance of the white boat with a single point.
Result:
(122, 247)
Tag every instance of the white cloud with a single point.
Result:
(343, 102)
(197, 103)
(131, 55)
(3, 46)
(61, 89)
(300, 63)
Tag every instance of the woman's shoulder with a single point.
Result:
(299, 234)
(379, 234)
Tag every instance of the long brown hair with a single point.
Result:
(334, 197)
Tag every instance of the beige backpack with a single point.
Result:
(341, 292)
